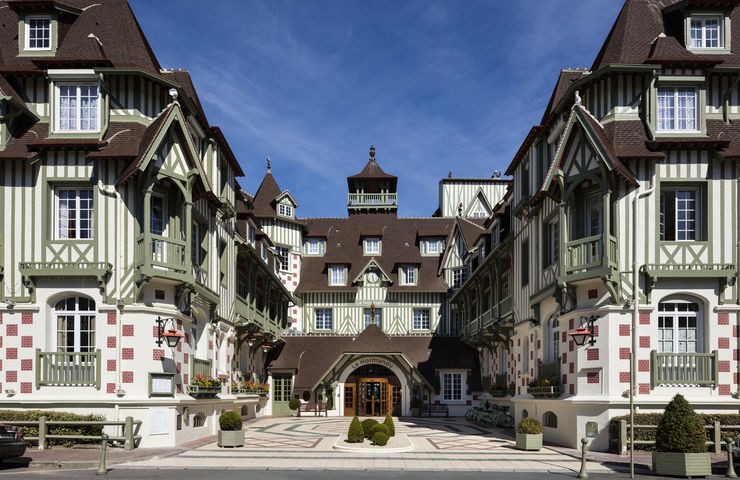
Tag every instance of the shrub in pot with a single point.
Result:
(529, 434)
(355, 434)
(391, 426)
(367, 426)
(230, 433)
(294, 404)
(681, 442)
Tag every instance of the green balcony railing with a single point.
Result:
(684, 369)
(68, 369)
(162, 253)
(588, 253)
(549, 370)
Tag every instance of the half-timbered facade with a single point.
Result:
(623, 219)
(118, 209)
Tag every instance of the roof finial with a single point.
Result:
(372, 152)
(578, 98)
(449, 174)
(269, 170)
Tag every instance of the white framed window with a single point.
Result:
(551, 246)
(458, 278)
(75, 213)
(407, 274)
(479, 214)
(372, 246)
(452, 387)
(681, 213)
(315, 246)
(38, 33)
(432, 247)
(265, 252)
(283, 256)
(679, 327)
(337, 275)
(251, 235)
(75, 324)
(705, 31)
(77, 107)
(677, 109)
(324, 319)
(285, 210)
(421, 319)
(378, 318)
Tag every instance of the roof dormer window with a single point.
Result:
(285, 210)
(38, 33)
(706, 31)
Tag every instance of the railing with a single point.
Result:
(129, 435)
(549, 370)
(714, 445)
(504, 307)
(696, 369)
(162, 252)
(364, 199)
(584, 254)
(201, 367)
(68, 369)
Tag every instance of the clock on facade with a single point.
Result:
(372, 277)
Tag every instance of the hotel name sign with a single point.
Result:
(372, 360)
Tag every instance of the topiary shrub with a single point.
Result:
(230, 421)
(391, 426)
(529, 425)
(367, 426)
(380, 439)
(355, 434)
(680, 429)
(381, 427)
(294, 404)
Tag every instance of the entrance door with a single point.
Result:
(374, 397)
(349, 400)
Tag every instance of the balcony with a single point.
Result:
(589, 258)
(99, 270)
(158, 256)
(68, 369)
(684, 369)
(363, 200)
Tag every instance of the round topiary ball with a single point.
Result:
(680, 429)
(355, 434)
(294, 403)
(230, 420)
(529, 425)
(381, 427)
(367, 426)
(380, 439)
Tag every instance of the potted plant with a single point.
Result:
(416, 405)
(681, 442)
(544, 388)
(529, 434)
(295, 406)
(203, 386)
(230, 433)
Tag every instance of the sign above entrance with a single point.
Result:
(372, 360)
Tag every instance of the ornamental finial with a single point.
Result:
(269, 170)
(372, 152)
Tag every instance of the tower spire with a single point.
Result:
(269, 170)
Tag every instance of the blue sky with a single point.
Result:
(436, 86)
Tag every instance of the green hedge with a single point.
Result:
(654, 418)
(33, 416)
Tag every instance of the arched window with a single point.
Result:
(549, 419)
(679, 326)
(554, 337)
(525, 413)
(75, 323)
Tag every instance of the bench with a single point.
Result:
(312, 407)
(433, 409)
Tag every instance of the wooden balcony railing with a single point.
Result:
(684, 369)
(162, 253)
(374, 199)
(588, 253)
(68, 369)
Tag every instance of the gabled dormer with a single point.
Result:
(372, 190)
(372, 275)
(39, 26)
(285, 205)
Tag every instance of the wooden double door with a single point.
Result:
(369, 397)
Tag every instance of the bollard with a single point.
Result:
(102, 469)
(730, 460)
(42, 432)
(584, 447)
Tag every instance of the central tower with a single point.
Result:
(372, 190)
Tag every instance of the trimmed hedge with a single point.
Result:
(230, 421)
(367, 426)
(654, 419)
(355, 434)
(33, 416)
(391, 426)
(380, 439)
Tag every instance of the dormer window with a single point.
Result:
(315, 246)
(433, 246)
(677, 109)
(337, 275)
(372, 246)
(38, 33)
(706, 31)
(76, 101)
(285, 210)
(407, 275)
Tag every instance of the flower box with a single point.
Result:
(199, 391)
(498, 393)
(529, 441)
(552, 391)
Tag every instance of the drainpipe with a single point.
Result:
(635, 322)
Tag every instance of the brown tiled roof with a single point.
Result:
(18, 147)
(150, 134)
(628, 138)
(372, 170)
(471, 229)
(122, 140)
(264, 199)
(399, 247)
(109, 21)
(605, 144)
(565, 79)
(667, 50)
(312, 356)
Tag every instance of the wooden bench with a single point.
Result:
(312, 407)
(433, 409)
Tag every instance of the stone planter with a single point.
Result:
(529, 441)
(231, 438)
(682, 464)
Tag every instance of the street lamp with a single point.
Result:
(171, 335)
(584, 333)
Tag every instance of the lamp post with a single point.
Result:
(171, 336)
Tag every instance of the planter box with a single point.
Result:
(544, 392)
(682, 464)
(529, 441)
(501, 393)
(196, 391)
(231, 438)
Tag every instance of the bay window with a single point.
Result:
(677, 109)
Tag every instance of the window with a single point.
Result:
(432, 247)
(525, 262)
(75, 213)
(77, 108)
(452, 387)
(681, 213)
(323, 319)
(408, 275)
(337, 275)
(593, 224)
(283, 256)
(372, 246)
(479, 214)
(378, 318)
(285, 210)
(549, 419)
(224, 259)
(282, 387)
(706, 32)
(38, 33)
(314, 246)
(458, 278)
(551, 246)
(677, 109)
(265, 252)
(555, 339)
(421, 319)
(678, 327)
(75, 318)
